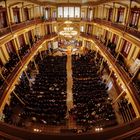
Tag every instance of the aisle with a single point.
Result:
(70, 120)
(69, 83)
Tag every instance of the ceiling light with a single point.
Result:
(68, 22)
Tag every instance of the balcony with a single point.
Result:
(19, 26)
(18, 68)
(123, 75)
(117, 26)
(22, 25)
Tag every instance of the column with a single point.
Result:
(40, 12)
(8, 15)
(109, 76)
(118, 97)
(127, 20)
(114, 12)
(4, 51)
(22, 12)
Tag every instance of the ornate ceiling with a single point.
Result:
(74, 2)
(85, 1)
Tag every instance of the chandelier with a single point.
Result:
(68, 22)
(68, 32)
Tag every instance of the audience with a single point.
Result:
(45, 99)
(14, 59)
(92, 105)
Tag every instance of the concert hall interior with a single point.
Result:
(69, 69)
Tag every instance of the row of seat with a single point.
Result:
(45, 97)
(92, 105)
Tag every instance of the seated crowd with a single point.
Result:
(45, 97)
(92, 105)
(14, 59)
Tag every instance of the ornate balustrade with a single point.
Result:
(117, 26)
(19, 26)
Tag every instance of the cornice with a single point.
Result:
(91, 3)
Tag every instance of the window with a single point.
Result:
(16, 15)
(71, 12)
(120, 14)
(110, 14)
(46, 14)
(77, 12)
(135, 14)
(26, 14)
(91, 14)
(21, 40)
(54, 14)
(82, 28)
(10, 48)
(3, 20)
(83, 14)
(115, 39)
(89, 29)
(30, 35)
(66, 12)
(135, 18)
(60, 12)
(126, 48)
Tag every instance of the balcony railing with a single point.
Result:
(117, 26)
(11, 78)
(118, 132)
(121, 72)
(19, 26)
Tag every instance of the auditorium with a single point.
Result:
(70, 69)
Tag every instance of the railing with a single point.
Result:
(116, 25)
(4, 31)
(118, 132)
(11, 78)
(121, 72)
(15, 27)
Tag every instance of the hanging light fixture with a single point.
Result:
(68, 32)
(68, 22)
